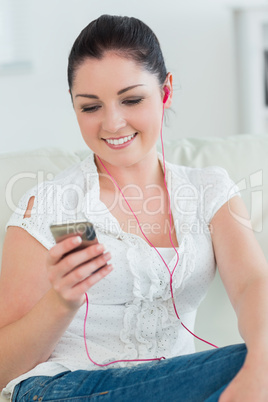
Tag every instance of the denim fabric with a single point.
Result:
(197, 377)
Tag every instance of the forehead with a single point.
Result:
(112, 71)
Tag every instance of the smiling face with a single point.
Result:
(119, 109)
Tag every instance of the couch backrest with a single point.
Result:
(245, 157)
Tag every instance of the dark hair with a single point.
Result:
(127, 36)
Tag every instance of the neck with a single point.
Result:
(143, 173)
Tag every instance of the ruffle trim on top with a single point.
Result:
(150, 325)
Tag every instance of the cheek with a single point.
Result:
(87, 124)
(155, 119)
(151, 116)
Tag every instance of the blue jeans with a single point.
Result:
(197, 377)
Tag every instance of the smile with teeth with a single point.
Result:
(121, 140)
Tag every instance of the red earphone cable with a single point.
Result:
(170, 272)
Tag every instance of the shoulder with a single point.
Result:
(209, 187)
(196, 172)
(200, 176)
(56, 200)
(72, 173)
(63, 183)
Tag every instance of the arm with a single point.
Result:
(244, 272)
(41, 294)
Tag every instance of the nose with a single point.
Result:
(113, 120)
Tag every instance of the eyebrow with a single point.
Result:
(118, 93)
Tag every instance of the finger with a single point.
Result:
(66, 265)
(56, 253)
(80, 287)
(80, 273)
(77, 258)
(90, 281)
(78, 292)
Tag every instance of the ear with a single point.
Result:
(168, 83)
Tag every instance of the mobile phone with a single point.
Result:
(84, 229)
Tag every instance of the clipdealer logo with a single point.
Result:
(187, 199)
(255, 187)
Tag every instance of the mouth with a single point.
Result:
(120, 141)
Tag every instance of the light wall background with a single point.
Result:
(197, 39)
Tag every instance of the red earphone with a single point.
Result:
(167, 93)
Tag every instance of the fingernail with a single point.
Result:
(100, 247)
(107, 256)
(77, 240)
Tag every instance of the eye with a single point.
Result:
(132, 102)
(89, 109)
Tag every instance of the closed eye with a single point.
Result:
(127, 102)
(132, 102)
(90, 109)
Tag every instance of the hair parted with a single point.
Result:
(127, 36)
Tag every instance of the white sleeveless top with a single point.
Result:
(131, 314)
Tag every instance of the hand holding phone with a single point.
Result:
(84, 229)
(77, 274)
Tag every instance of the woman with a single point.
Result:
(119, 87)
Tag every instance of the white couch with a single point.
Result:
(246, 159)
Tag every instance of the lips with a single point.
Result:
(119, 141)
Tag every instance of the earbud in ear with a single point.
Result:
(167, 93)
